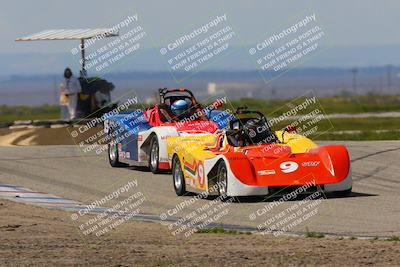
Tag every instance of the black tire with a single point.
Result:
(178, 178)
(344, 193)
(113, 154)
(154, 157)
(222, 179)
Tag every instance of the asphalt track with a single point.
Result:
(372, 210)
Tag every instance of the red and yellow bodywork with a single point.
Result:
(251, 170)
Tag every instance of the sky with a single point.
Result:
(347, 24)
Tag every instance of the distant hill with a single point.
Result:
(43, 89)
(150, 60)
(33, 79)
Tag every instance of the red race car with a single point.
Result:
(139, 137)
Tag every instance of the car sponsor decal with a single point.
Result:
(164, 137)
(163, 159)
(266, 172)
(124, 155)
(310, 163)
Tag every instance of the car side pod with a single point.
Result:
(336, 160)
(339, 166)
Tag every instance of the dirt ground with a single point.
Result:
(43, 136)
(35, 236)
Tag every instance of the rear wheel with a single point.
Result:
(154, 155)
(222, 179)
(113, 154)
(178, 177)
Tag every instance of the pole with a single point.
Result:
(83, 71)
(389, 80)
(354, 71)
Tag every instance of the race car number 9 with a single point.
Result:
(289, 166)
(106, 126)
(200, 173)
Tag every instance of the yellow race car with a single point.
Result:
(250, 159)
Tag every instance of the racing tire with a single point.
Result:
(154, 158)
(222, 180)
(344, 193)
(178, 177)
(113, 157)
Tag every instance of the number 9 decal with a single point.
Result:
(106, 126)
(289, 166)
(200, 174)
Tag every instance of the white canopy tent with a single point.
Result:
(71, 34)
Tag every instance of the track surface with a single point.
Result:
(372, 210)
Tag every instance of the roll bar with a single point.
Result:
(163, 91)
(244, 110)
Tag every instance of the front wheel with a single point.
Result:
(154, 155)
(222, 179)
(178, 177)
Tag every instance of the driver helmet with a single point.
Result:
(179, 107)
